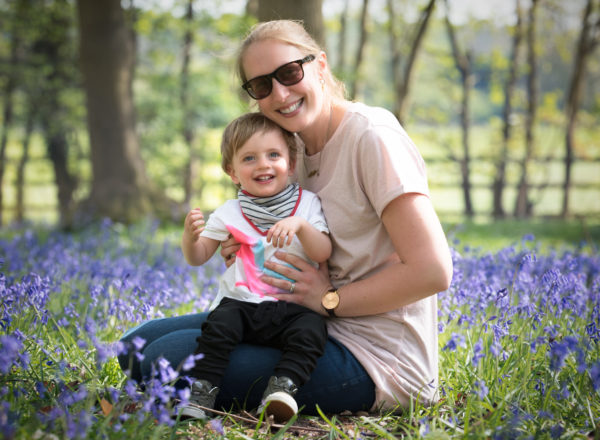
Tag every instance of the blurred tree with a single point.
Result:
(463, 63)
(12, 71)
(20, 179)
(523, 204)
(53, 55)
(187, 126)
(402, 76)
(499, 182)
(589, 38)
(341, 60)
(120, 188)
(360, 49)
(309, 11)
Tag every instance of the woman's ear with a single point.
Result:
(322, 60)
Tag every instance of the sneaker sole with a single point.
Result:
(189, 412)
(281, 406)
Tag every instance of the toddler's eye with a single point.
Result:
(274, 154)
(247, 158)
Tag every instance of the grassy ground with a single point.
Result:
(519, 338)
(548, 233)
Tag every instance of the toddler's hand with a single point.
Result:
(193, 224)
(282, 233)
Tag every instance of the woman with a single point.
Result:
(390, 256)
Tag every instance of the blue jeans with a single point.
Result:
(338, 382)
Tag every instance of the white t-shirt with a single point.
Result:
(367, 163)
(240, 280)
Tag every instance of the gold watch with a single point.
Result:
(330, 300)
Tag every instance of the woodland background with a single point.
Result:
(115, 108)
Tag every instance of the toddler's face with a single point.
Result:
(262, 166)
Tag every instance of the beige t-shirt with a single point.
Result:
(368, 162)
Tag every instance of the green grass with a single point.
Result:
(548, 233)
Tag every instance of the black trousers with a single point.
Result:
(296, 330)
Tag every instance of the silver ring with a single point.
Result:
(292, 287)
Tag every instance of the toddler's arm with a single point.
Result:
(197, 250)
(316, 244)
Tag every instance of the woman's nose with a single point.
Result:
(279, 91)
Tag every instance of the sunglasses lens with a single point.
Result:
(260, 87)
(290, 74)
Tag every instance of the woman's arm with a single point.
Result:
(424, 265)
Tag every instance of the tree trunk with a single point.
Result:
(309, 11)
(394, 46)
(588, 40)
(341, 60)
(120, 188)
(402, 87)
(20, 179)
(7, 117)
(463, 65)
(499, 182)
(188, 132)
(9, 89)
(359, 50)
(523, 204)
(51, 47)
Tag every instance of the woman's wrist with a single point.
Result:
(330, 300)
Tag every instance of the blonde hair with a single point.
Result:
(293, 33)
(241, 129)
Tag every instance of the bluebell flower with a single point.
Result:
(477, 353)
(138, 343)
(481, 389)
(166, 373)
(558, 353)
(8, 421)
(10, 347)
(184, 395)
(216, 426)
(456, 340)
(78, 426)
(556, 431)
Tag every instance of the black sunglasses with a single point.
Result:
(289, 74)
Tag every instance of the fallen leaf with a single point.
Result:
(106, 407)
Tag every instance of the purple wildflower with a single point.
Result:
(595, 375)
(190, 361)
(8, 421)
(477, 353)
(556, 431)
(216, 426)
(456, 340)
(10, 347)
(138, 343)
(481, 389)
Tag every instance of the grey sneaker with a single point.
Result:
(203, 394)
(278, 399)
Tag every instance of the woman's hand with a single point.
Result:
(228, 249)
(309, 286)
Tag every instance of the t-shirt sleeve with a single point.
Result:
(389, 165)
(215, 226)
(315, 213)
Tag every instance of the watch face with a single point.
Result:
(331, 300)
